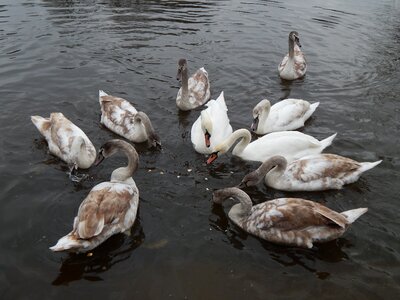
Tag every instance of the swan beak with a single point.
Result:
(179, 75)
(298, 42)
(207, 137)
(213, 156)
(254, 125)
(100, 157)
(241, 185)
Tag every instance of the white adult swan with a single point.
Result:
(290, 144)
(288, 221)
(66, 140)
(118, 115)
(310, 173)
(195, 91)
(109, 208)
(288, 114)
(211, 127)
(294, 64)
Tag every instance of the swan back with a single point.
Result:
(66, 140)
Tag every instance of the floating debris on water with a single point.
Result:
(157, 244)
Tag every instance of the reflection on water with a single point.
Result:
(90, 266)
(57, 54)
(330, 252)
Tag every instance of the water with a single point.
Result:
(56, 55)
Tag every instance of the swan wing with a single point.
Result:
(322, 166)
(107, 204)
(292, 214)
(218, 112)
(199, 87)
(290, 111)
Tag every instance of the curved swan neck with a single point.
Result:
(235, 193)
(265, 112)
(147, 124)
(291, 48)
(245, 136)
(279, 161)
(123, 173)
(78, 147)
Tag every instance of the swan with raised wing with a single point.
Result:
(212, 126)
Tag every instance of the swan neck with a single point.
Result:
(123, 173)
(279, 162)
(245, 137)
(79, 149)
(243, 198)
(264, 114)
(291, 48)
(185, 84)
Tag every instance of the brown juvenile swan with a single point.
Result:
(294, 64)
(288, 221)
(195, 91)
(311, 173)
(109, 208)
(118, 115)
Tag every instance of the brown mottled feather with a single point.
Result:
(98, 205)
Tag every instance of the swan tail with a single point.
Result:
(221, 101)
(328, 141)
(68, 242)
(353, 214)
(42, 124)
(365, 166)
(313, 107)
(102, 94)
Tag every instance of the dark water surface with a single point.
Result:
(56, 55)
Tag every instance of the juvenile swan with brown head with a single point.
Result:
(195, 91)
(294, 64)
(109, 208)
(288, 221)
(311, 173)
(118, 115)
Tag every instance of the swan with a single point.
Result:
(118, 115)
(290, 144)
(288, 114)
(288, 221)
(109, 208)
(66, 140)
(293, 65)
(195, 91)
(311, 173)
(212, 126)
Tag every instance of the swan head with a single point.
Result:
(206, 126)
(219, 149)
(182, 66)
(261, 107)
(294, 36)
(107, 149)
(152, 137)
(238, 210)
(250, 179)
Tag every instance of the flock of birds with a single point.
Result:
(291, 161)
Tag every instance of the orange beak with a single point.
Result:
(212, 157)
